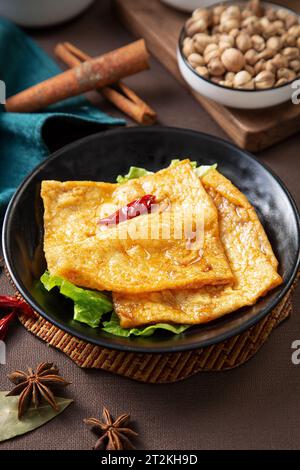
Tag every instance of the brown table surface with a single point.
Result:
(256, 406)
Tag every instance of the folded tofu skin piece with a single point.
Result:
(125, 257)
(251, 259)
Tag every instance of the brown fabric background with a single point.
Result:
(254, 406)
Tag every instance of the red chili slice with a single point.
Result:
(133, 209)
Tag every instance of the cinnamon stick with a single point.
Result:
(123, 97)
(98, 72)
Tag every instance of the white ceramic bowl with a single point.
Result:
(243, 99)
(39, 13)
(190, 5)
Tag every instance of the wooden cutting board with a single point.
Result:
(160, 25)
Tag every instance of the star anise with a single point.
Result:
(35, 386)
(114, 434)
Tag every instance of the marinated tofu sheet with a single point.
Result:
(126, 257)
(250, 256)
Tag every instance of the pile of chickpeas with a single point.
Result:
(245, 48)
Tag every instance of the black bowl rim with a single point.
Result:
(104, 342)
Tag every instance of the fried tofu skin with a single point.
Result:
(127, 257)
(250, 255)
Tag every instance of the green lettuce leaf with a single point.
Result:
(89, 306)
(113, 327)
(134, 172)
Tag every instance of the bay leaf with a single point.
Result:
(11, 426)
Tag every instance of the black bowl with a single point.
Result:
(102, 157)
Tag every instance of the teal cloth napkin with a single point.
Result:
(26, 139)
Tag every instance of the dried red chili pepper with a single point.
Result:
(133, 209)
(8, 301)
(5, 322)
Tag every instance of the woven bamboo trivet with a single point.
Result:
(162, 368)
